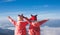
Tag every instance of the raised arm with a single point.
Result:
(43, 21)
(27, 20)
(12, 21)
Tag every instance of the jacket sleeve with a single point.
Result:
(27, 20)
(43, 21)
(12, 21)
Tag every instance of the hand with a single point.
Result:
(23, 16)
(9, 17)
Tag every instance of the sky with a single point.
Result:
(43, 8)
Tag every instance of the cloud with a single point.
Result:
(40, 15)
(50, 30)
(49, 16)
(9, 0)
(6, 0)
(45, 30)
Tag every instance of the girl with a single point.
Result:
(20, 25)
(34, 28)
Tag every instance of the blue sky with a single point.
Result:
(44, 8)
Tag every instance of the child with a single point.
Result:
(34, 28)
(20, 25)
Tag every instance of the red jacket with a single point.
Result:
(20, 27)
(34, 28)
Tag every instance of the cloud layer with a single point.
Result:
(50, 31)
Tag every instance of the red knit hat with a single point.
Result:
(33, 17)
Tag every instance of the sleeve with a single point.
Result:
(43, 21)
(12, 21)
(26, 23)
(27, 20)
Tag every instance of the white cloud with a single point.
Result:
(40, 15)
(46, 30)
(7, 0)
(50, 31)
(49, 16)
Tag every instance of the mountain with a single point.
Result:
(6, 32)
(3, 34)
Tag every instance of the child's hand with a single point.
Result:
(9, 17)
